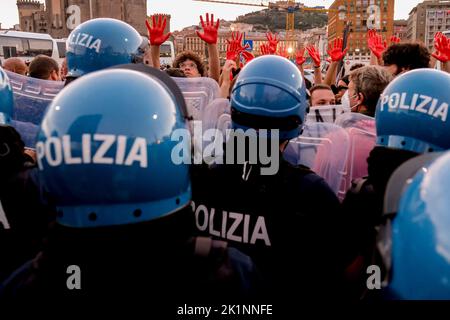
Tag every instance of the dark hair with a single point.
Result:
(346, 79)
(42, 66)
(407, 56)
(175, 72)
(356, 66)
(308, 84)
(189, 55)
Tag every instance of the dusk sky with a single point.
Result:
(186, 12)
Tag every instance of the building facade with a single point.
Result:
(187, 39)
(60, 17)
(32, 16)
(360, 15)
(426, 19)
(401, 29)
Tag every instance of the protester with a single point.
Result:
(15, 65)
(45, 68)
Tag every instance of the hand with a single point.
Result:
(247, 56)
(442, 46)
(273, 42)
(376, 44)
(156, 33)
(335, 51)
(227, 68)
(395, 40)
(232, 50)
(209, 34)
(300, 57)
(282, 52)
(314, 54)
(265, 49)
(235, 47)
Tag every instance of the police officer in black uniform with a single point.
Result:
(284, 217)
(123, 226)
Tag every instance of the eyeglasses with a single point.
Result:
(190, 65)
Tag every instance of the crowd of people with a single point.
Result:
(100, 193)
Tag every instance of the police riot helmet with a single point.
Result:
(269, 94)
(104, 150)
(101, 43)
(6, 98)
(412, 112)
(420, 252)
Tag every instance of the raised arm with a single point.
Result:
(315, 56)
(156, 37)
(336, 53)
(209, 35)
(442, 53)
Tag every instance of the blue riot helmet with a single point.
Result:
(419, 237)
(6, 98)
(269, 94)
(101, 43)
(105, 150)
(412, 113)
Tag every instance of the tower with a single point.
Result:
(27, 11)
(167, 16)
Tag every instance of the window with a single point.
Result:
(62, 49)
(38, 47)
(11, 47)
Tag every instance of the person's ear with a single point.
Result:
(55, 76)
(361, 98)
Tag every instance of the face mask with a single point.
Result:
(345, 101)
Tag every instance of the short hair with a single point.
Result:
(319, 87)
(15, 65)
(371, 82)
(407, 56)
(356, 66)
(42, 66)
(189, 55)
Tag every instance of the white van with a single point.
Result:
(27, 45)
(167, 53)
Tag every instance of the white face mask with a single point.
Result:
(345, 101)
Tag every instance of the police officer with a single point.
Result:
(282, 216)
(123, 227)
(101, 43)
(23, 213)
(411, 119)
(414, 241)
